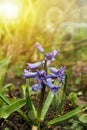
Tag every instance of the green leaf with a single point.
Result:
(72, 97)
(31, 109)
(6, 128)
(47, 104)
(83, 118)
(6, 88)
(61, 105)
(4, 99)
(3, 69)
(67, 116)
(4, 62)
(8, 109)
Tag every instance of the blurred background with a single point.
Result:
(55, 24)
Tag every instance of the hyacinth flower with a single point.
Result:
(29, 74)
(42, 77)
(50, 56)
(38, 71)
(57, 73)
(34, 65)
(39, 47)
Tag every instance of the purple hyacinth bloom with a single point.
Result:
(53, 70)
(39, 47)
(29, 74)
(41, 77)
(52, 86)
(59, 74)
(36, 87)
(34, 65)
(51, 55)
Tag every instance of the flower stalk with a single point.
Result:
(42, 94)
(43, 80)
(60, 108)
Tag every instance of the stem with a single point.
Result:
(63, 97)
(41, 101)
(34, 127)
(42, 95)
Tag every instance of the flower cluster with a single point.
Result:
(41, 76)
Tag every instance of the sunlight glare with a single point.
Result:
(9, 10)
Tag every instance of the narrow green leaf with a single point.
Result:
(69, 115)
(60, 108)
(47, 104)
(6, 87)
(30, 106)
(4, 62)
(4, 99)
(3, 68)
(8, 109)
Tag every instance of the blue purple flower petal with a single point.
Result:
(52, 86)
(51, 55)
(55, 89)
(53, 70)
(60, 73)
(29, 74)
(34, 65)
(36, 87)
(41, 77)
(39, 47)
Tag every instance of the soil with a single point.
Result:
(15, 121)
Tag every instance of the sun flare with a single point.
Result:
(9, 10)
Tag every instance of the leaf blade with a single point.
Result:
(31, 109)
(46, 105)
(67, 116)
(8, 109)
(4, 62)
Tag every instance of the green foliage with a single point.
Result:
(83, 118)
(75, 124)
(17, 68)
(46, 105)
(68, 115)
(3, 70)
(4, 63)
(6, 128)
(8, 107)
(30, 107)
(6, 110)
(78, 123)
(61, 105)
(72, 97)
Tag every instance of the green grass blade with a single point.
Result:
(67, 116)
(8, 109)
(4, 99)
(31, 109)
(60, 108)
(46, 105)
(4, 62)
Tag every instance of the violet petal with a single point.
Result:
(34, 65)
(39, 47)
(28, 74)
(36, 87)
